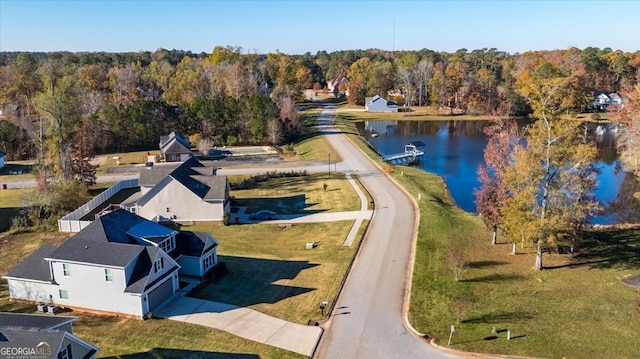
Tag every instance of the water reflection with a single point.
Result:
(454, 149)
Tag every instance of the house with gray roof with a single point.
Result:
(175, 147)
(190, 192)
(379, 104)
(48, 336)
(120, 263)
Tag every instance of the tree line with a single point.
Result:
(109, 102)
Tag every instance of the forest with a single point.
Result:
(60, 106)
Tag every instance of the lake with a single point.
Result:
(454, 149)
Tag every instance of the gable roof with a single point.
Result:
(139, 280)
(53, 338)
(83, 250)
(110, 240)
(192, 174)
(34, 267)
(175, 143)
(20, 327)
(33, 321)
(193, 243)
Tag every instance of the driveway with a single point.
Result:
(243, 322)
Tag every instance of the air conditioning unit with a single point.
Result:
(52, 309)
(41, 307)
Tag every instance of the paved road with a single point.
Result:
(368, 318)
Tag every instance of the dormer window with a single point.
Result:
(158, 265)
(167, 245)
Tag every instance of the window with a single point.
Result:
(65, 270)
(158, 265)
(168, 209)
(65, 353)
(64, 294)
(208, 262)
(107, 275)
(167, 245)
(132, 209)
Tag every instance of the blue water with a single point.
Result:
(454, 149)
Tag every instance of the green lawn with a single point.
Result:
(573, 309)
(311, 145)
(10, 201)
(304, 194)
(271, 271)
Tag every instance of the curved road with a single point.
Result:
(367, 320)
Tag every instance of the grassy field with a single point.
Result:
(311, 146)
(271, 271)
(575, 308)
(303, 194)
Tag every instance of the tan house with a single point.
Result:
(175, 147)
(190, 192)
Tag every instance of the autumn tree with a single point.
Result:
(83, 152)
(552, 180)
(422, 73)
(492, 197)
(358, 86)
(60, 103)
(629, 117)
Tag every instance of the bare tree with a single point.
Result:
(423, 72)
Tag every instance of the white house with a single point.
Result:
(602, 100)
(379, 104)
(49, 336)
(120, 263)
(3, 156)
(189, 192)
(175, 147)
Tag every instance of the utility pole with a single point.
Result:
(329, 166)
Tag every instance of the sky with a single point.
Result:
(300, 26)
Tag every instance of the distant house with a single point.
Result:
(175, 147)
(379, 104)
(49, 335)
(602, 100)
(335, 84)
(188, 192)
(120, 263)
(3, 156)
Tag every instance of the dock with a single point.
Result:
(412, 152)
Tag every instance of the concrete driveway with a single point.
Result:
(243, 322)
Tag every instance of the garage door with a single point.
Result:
(160, 294)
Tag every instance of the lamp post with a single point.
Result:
(329, 166)
(322, 306)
